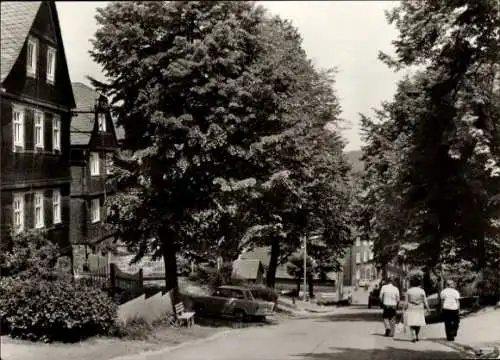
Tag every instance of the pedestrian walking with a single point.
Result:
(450, 304)
(415, 306)
(389, 297)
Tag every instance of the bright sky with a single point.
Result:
(342, 34)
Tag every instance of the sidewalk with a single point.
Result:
(303, 308)
(478, 332)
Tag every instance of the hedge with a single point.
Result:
(59, 310)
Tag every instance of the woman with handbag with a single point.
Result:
(415, 306)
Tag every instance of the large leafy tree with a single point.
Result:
(441, 132)
(203, 91)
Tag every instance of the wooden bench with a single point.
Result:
(182, 316)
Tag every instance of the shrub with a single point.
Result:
(58, 310)
(264, 293)
(214, 278)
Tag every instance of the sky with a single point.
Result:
(346, 35)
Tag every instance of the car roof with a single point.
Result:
(233, 287)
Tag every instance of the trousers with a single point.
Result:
(451, 320)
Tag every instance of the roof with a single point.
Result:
(233, 287)
(83, 124)
(262, 253)
(247, 269)
(16, 19)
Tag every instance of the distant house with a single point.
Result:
(283, 279)
(93, 145)
(36, 100)
(249, 270)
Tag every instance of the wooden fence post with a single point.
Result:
(112, 278)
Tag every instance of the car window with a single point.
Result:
(238, 294)
(226, 293)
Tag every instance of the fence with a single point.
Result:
(99, 273)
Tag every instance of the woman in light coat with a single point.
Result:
(415, 306)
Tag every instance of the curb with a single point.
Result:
(169, 349)
(473, 352)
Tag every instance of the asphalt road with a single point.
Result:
(352, 333)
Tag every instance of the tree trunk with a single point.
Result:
(170, 261)
(273, 263)
(299, 280)
(310, 285)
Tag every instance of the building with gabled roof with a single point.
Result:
(94, 144)
(36, 100)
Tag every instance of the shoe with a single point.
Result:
(413, 340)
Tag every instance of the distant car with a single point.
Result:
(238, 302)
(363, 283)
(333, 298)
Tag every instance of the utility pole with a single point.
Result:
(305, 267)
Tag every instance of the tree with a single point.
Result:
(443, 123)
(202, 90)
(295, 268)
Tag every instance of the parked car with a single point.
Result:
(238, 302)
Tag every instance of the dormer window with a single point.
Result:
(101, 121)
(51, 64)
(32, 55)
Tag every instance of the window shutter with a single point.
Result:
(48, 131)
(29, 129)
(47, 207)
(29, 211)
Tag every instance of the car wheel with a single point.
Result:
(239, 315)
(199, 309)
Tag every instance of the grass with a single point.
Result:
(134, 339)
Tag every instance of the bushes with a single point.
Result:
(58, 310)
(214, 278)
(264, 293)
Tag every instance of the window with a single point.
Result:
(358, 274)
(94, 164)
(358, 258)
(95, 210)
(365, 256)
(18, 208)
(358, 242)
(109, 164)
(101, 122)
(39, 129)
(18, 127)
(38, 202)
(365, 243)
(56, 206)
(371, 255)
(56, 133)
(32, 54)
(51, 64)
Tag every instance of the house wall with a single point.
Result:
(365, 268)
(17, 82)
(27, 170)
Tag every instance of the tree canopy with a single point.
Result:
(432, 153)
(219, 102)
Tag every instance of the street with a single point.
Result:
(352, 333)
